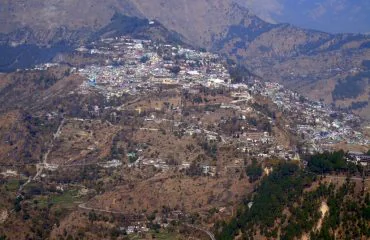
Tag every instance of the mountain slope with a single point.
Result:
(319, 65)
(201, 21)
(123, 25)
(315, 63)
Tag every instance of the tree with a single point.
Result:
(328, 162)
(92, 216)
(17, 204)
(175, 70)
(144, 59)
(275, 192)
(254, 171)
(194, 169)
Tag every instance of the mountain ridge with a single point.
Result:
(301, 59)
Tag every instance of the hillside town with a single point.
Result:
(136, 67)
(146, 118)
(317, 124)
(184, 120)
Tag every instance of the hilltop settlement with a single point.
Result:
(139, 138)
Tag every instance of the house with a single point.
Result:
(359, 158)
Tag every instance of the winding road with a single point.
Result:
(84, 207)
(210, 234)
(41, 166)
(344, 178)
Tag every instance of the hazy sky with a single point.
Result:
(326, 15)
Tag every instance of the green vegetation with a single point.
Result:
(12, 185)
(277, 191)
(239, 73)
(282, 207)
(264, 108)
(368, 153)
(17, 204)
(144, 59)
(323, 163)
(254, 171)
(175, 69)
(210, 149)
(165, 235)
(65, 199)
(117, 151)
(304, 215)
(132, 157)
(327, 162)
(348, 212)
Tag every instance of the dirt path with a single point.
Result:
(210, 235)
(3, 216)
(324, 209)
(40, 166)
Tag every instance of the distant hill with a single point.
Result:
(122, 25)
(21, 56)
(317, 64)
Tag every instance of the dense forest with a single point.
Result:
(331, 162)
(276, 191)
(282, 206)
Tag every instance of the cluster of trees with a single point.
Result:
(264, 108)
(210, 149)
(304, 214)
(17, 203)
(144, 59)
(239, 73)
(277, 191)
(232, 125)
(198, 99)
(175, 69)
(347, 218)
(46, 81)
(113, 232)
(117, 151)
(329, 162)
(348, 214)
(254, 171)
